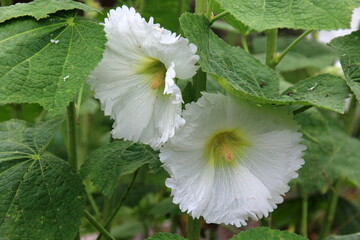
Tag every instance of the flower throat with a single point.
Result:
(225, 147)
(155, 69)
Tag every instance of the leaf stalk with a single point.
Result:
(98, 226)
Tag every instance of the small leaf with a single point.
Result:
(355, 236)
(107, 164)
(165, 236)
(40, 9)
(41, 197)
(297, 14)
(330, 153)
(264, 233)
(47, 61)
(348, 48)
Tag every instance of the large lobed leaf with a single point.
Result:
(40, 8)
(40, 196)
(244, 76)
(330, 154)
(297, 14)
(235, 69)
(348, 48)
(47, 61)
(108, 163)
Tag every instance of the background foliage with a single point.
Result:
(49, 47)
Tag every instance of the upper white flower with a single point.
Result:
(135, 79)
(231, 160)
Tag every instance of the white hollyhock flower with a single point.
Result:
(231, 161)
(135, 79)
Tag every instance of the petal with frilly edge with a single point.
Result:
(135, 80)
(232, 160)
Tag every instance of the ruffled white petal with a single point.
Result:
(252, 187)
(141, 114)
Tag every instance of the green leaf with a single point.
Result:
(239, 26)
(297, 14)
(355, 236)
(41, 198)
(165, 236)
(264, 233)
(47, 61)
(237, 71)
(40, 9)
(108, 163)
(240, 74)
(307, 53)
(330, 153)
(324, 91)
(348, 48)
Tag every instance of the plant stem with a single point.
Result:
(93, 204)
(277, 59)
(210, 7)
(350, 117)
(201, 6)
(98, 226)
(217, 17)
(330, 211)
(244, 43)
(6, 3)
(304, 214)
(117, 208)
(199, 84)
(301, 109)
(193, 228)
(271, 37)
(17, 110)
(72, 136)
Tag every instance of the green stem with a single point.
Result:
(330, 212)
(301, 109)
(193, 228)
(350, 117)
(244, 43)
(72, 136)
(199, 84)
(201, 6)
(93, 205)
(217, 17)
(210, 7)
(98, 226)
(304, 214)
(5, 3)
(78, 103)
(271, 37)
(117, 208)
(17, 110)
(277, 59)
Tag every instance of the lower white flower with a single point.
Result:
(135, 79)
(232, 160)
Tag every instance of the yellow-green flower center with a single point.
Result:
(226, 147)
(154, 70)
